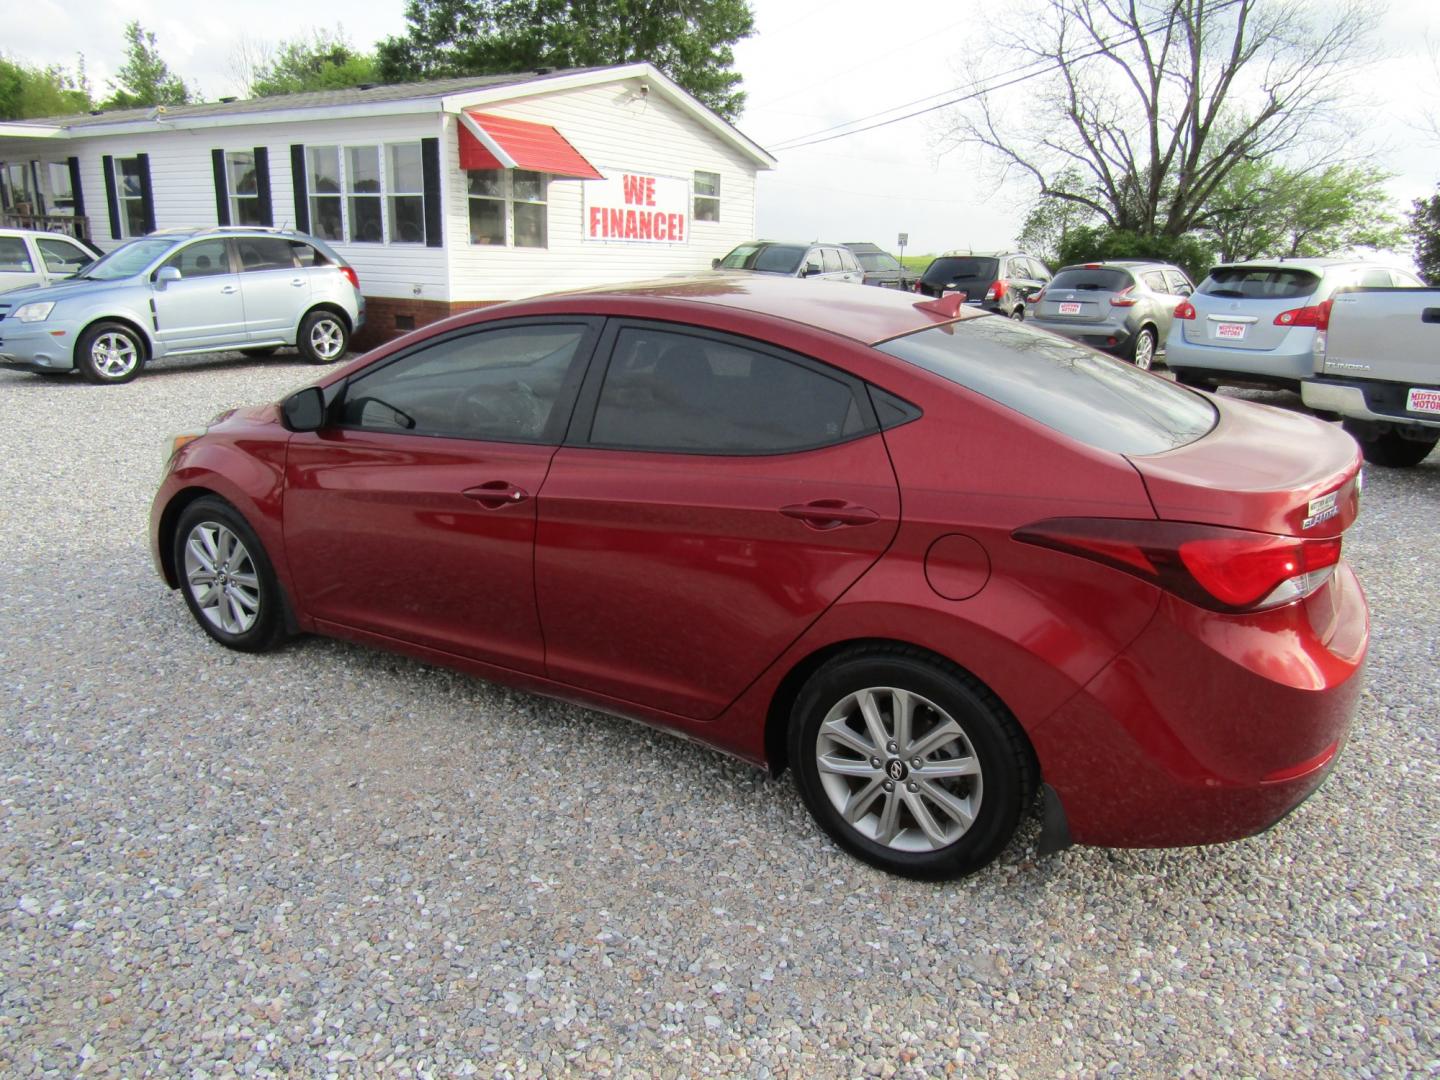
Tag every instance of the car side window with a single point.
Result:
(847, 260)
(500, 385)
(832, 261)
(61, 256)
(264, 253)
(1374, 279)
(666, 391)
(14, 256)
(1155, 281)
(307, 254)
(207, 258)
(1179, 283)
(1405, 281)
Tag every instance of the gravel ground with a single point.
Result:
(333, 861)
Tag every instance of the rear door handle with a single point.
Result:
(496, 494)
(825, 514)
(297, 282)
(226, 290)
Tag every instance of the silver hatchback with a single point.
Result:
(178, 293)
(1122, 308)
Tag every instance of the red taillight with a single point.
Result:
(1185, 310)
(997, 289)
(1038, 297)
(1221, 569)
(1316, 315)
(1123, 298)
(351, 276)
(918, 288)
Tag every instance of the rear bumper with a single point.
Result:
(1287, 365)
(1209, 728)
(1380, 402)
(1107, 337)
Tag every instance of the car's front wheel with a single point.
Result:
(323, 337)
(110, 352)
(228, 581)
(909, 763)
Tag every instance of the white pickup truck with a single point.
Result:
(1377, 365)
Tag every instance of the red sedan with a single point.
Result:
(934, 561)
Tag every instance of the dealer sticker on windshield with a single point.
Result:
(1420, 400)
(1321, 509)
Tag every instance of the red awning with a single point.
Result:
(497, 142)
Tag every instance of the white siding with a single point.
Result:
(615, 129)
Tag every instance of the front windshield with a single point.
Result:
(127, 260)
(766, 258)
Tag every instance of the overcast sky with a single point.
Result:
(811, 65)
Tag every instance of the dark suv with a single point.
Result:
(881, 268)
(1000, 281)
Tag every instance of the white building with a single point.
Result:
(443, 195)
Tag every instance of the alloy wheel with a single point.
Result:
(114, 355)
(222, 577)
(1144, 350)
(327, 339)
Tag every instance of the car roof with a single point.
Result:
(1300, 263)
(956, 253)
(859, 312)
(186, 233)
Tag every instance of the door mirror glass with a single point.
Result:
(714, 264)
(304, 410)
(166, 274)
(811, 268)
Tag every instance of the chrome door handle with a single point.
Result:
(227, 290)
(297, 282)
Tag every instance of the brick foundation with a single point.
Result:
(387, 317)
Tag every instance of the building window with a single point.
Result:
(326, 219)
(131, 191)
(244, 189)
(62, 194)
(17, 188)
(707, 196)
(516, 198)
(406, 193)
(362, 188)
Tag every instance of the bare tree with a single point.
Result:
(1153, 102)
(248, 58)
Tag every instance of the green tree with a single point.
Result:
(27, 92)
(689, 40)
(1272, 210)
(322, 61)
(145, 78)
(1425, 231)
(1098, 243)
(1050, 222)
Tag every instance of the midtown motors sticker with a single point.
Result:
(637, 208)
(1321, 509)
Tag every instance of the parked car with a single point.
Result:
(1004, 282)
(1255, 322)
(933, 561)
(880, 267)
(1123, 308)
(823, 262)
(1377, 365)
(188, 291)
(29, 258)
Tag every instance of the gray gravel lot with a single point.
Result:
(334, 861)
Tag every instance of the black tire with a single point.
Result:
(989, 741)
(1389, 448)
(110, 353)
(1018, 314)
(246, 577)
(1142, 349)
(323, 337)
(267, 350)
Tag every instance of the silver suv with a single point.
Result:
(1255, 322)
(1123, 308)
(182, 292)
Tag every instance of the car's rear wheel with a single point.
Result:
(267, 350)
(1018, 314)
(324, 337)
(908, 763)
(1142, 352)
(228, 581)
(1185, 378)
(110, 352)
(1390, 448)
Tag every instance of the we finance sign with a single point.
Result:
(636, 208)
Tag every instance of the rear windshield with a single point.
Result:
(968, 268)
(876, 260)
(1092, 279)
(767, 258)
(1260, 282)
(1092, 398)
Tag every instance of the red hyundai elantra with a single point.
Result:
(934, 561)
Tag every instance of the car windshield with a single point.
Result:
(876, 260)
(1095, 399)
(1260, 282)
(127, 260)
(767, 258)
(969, 268)
(1092, 279)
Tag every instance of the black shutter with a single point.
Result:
(430, 170)
(112, 197)
(147, 193)
(76, 192)
(298, 181)
(4, 188)
(222, 191)
(262, 185)
(35, 187)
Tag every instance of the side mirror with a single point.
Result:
(304, 410)
(714, 264)
(811, 268)
(166, 274)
